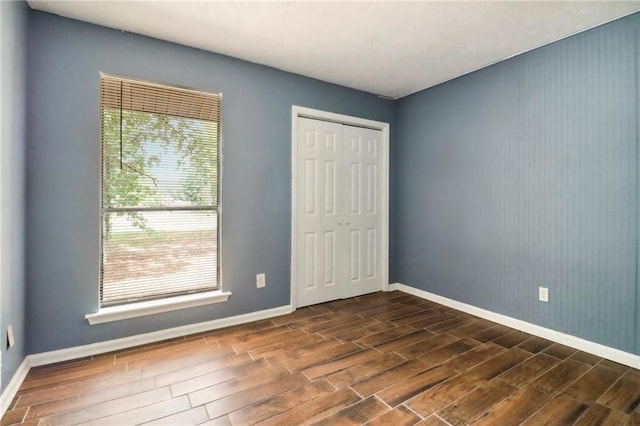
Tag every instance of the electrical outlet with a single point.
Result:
(543, 294)
(261, 280)
(10, 339)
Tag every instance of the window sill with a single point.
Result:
(133, 310)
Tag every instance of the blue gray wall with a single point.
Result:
(525, 174)
(13, 27)
(65, 58)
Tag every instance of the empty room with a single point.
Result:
(328, 213)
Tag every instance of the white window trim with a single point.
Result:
(150, 307)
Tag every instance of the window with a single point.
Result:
(160, 191)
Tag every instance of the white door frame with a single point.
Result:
(2, 143)
(298, 111)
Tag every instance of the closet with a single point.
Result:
(338, 211)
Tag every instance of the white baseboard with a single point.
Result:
(12, 387)
(124, 343)
(597, 349)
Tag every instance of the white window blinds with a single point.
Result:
(160, 190)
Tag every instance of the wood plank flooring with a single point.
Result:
(379, 359)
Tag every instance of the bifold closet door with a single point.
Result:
(338, 218)
(361, 209)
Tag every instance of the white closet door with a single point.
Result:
(318, 238)
(362, 161)
(338, 211)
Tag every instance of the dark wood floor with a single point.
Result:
(380, 359)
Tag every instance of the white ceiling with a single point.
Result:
(389, 48)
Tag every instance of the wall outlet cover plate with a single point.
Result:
(543, 294)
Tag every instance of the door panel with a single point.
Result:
(371, 253)
(310, 184)
(329, 258)
(355, 187)
(310, 260)
(330, 202)
(354, 255)
(371, 195)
